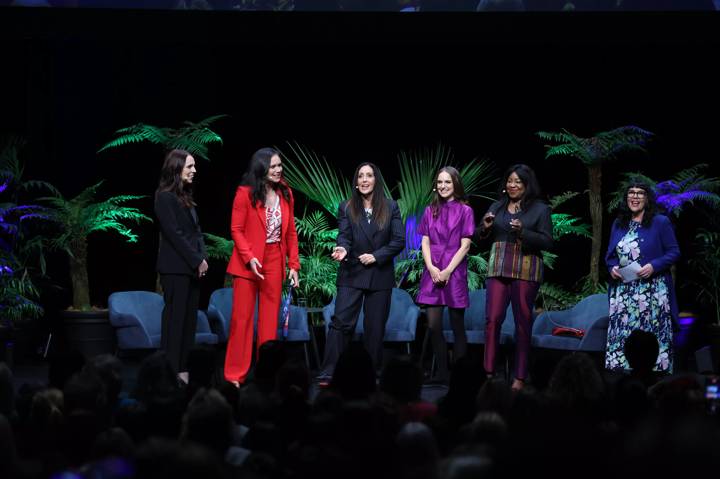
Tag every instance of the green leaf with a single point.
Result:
(306, 172)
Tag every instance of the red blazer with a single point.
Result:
(248, 228)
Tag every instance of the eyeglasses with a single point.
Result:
(636, 194)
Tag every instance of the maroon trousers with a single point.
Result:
(521, 294)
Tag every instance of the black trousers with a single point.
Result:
(179, 317)
(376, 306)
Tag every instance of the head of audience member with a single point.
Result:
(168, 458)
(292, 381)
(641, 351)
(208, 421)
(109, 369)
(495, 395)
(401, 379)
(577, 387)
(466, 379)
(156, 378)
(271, 356)
(354, 375)
(417, 451)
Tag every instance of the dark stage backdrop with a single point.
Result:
(353, 87)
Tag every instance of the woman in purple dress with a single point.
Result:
(446, 227)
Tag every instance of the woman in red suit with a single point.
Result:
(263, 230)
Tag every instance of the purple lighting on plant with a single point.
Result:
(412, 238)
(4, 186)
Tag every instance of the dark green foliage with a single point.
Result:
(193, 137)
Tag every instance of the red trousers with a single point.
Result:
(245, 293)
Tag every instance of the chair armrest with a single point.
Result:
(595, 338)
(124, 320)
(412, 315)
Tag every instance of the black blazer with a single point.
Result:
(536, 232)
(363, 237)
(181, 248)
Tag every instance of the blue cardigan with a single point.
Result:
(658, 247)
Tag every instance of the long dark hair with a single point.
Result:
(381, 215)
(256, 176)
(171, 177)
(530, 182)
(458, 189)
(625, 215)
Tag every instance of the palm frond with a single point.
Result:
(310, 174)
(478, 176)
(417, 178)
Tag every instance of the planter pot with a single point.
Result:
(89, 332)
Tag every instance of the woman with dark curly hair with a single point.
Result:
(641, 250)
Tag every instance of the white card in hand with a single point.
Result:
(629, 272)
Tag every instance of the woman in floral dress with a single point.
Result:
(644, 298)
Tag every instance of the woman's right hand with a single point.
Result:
(255, 266)
(488, 220)
(339, 253)
(615, 273)
(434, 274)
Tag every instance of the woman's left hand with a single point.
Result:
(646, 271)
(366, 259)
(294, 278)
(444, 276)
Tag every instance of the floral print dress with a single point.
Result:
(640, 304)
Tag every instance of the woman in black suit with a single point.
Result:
(370, 234)
(182, 259)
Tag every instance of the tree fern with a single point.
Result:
(193, 137)
(598, 148)
(82, 215)
(685, 188)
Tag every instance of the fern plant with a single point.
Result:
(706, 266)
(685, 188)
(82, 215)
(192, 137)
(594, 152)
(22, 239)
(318, 275)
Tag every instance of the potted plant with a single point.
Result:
(594, 152)
(87, 328)
(22, 263)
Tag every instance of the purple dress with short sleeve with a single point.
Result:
(454, 221)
